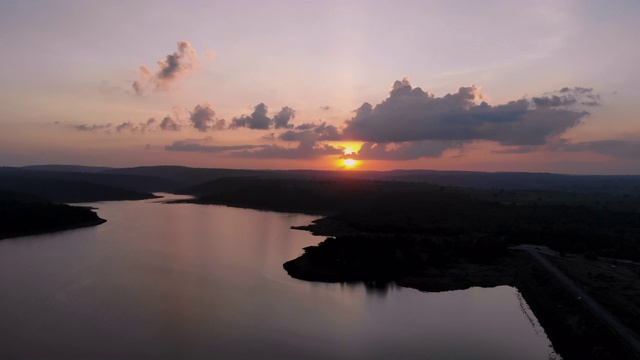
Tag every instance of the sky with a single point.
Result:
(536, 86)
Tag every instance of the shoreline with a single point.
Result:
(56, 229)
(446, 254)
(573, 330)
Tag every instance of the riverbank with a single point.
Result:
(573, 330)
(31, 218)
(53, 229)
(436, 238)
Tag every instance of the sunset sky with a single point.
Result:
(540, 86)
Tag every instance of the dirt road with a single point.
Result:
(601, 312)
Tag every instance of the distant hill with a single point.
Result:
(62, 187)
(123, 181)
(67, 168)
(181, 178)
(522, 181)
(23, 214)
(18, 196)
(186, 176)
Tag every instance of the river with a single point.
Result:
(186, 281)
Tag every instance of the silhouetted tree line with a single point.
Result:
(21, 218)
(564, 221)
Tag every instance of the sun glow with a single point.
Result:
(349, 163)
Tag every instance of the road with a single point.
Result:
(601, 312)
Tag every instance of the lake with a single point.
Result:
(186, 281)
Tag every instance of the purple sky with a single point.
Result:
(465, 85)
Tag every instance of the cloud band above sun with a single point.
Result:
(409, 124)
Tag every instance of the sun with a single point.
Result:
(349, 163)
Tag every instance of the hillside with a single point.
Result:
(64, 187)
(22, 214)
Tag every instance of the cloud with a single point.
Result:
(126, 126)
(257, 120)
(170, 124)
(325, 108)
(567, 97)
(203, 118)
(306, 126)
(140, 127)
(553, 101)
(91, 128)
(623, 149)
(302, 151)
(281, 119)
(411, 114)
(327, 132)
(172, 68)
(308, 145)
(316, 132)
(404, 151)
(196, 146)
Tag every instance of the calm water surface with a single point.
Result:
(190, 281)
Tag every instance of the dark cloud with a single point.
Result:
(269, 137)
(308, 145)
(190, 145)
(327, 132)
(317, 132)
(325, 108)
(624, 149)
(292, 135)
(576, 90)
(567, 97)
(257, 120)
(203, 118)
(281, 119)
(140, 127)
(302, 151)
(91, 128)
(553, 101)
(411, 114)
(126, 126)
(306, 126)
(170, 124)
(404, 151)
(173, 67)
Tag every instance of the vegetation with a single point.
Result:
(69, 187)
(436, 238)
(22, 214)
(429, 230)
(607, 226)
